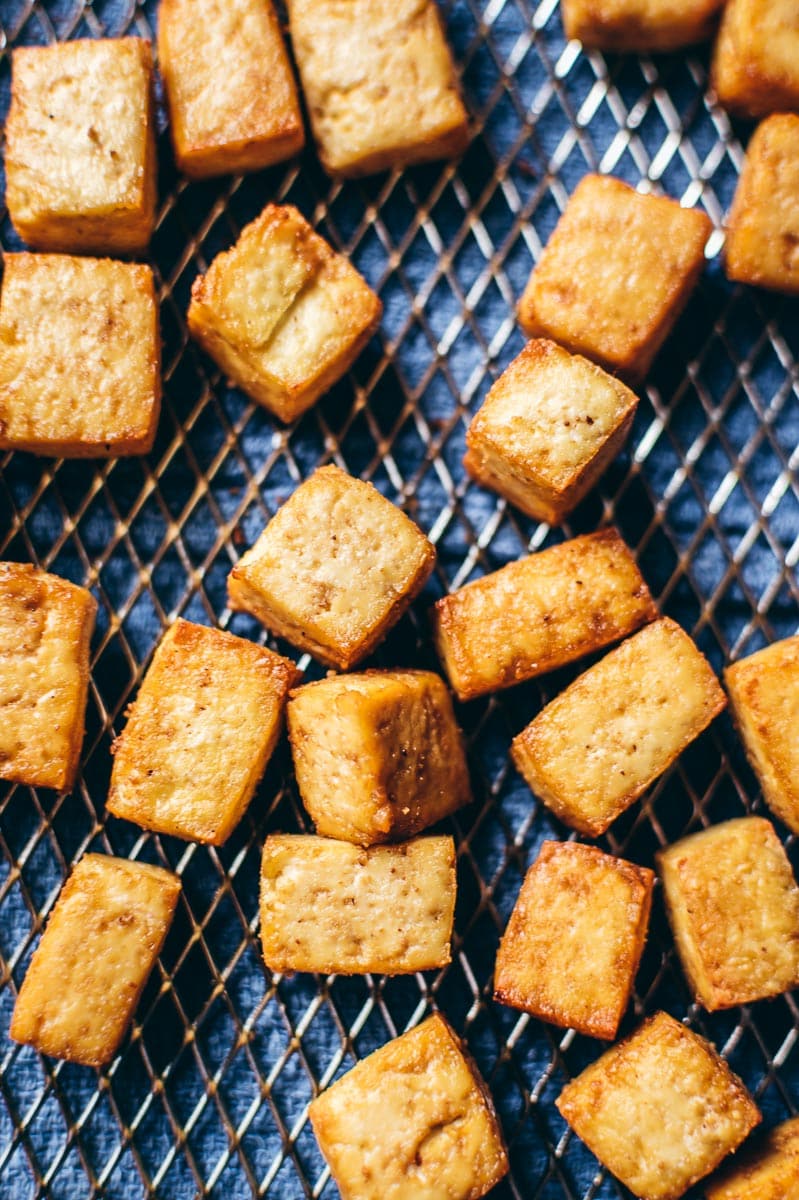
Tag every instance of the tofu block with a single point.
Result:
(232, 99)
(615, 275)
(101, 941)
(281, 313)
(378, 756)
(199, 734)
(660, 1109)
(379, 83)
(437, 1137)
(332, 907)
(756, 58)
(80, 174)
(770, 1171)
(597, 746)
(575, 937)
(334, 570)
(640, 26)
(80, 356)
(46, 626)
(733, 906)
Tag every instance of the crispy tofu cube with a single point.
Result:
(80, 146)
(615, 275)
(575, 938)
(756, 59)
(733, 905)
(437, 1135)
(379, 83)
(334, 570)
(332, 907)
(200, 733)
(80, 356)
(378, 756)
(281, 313)
(640, 25)
(660, 1109)
(101, 941)
(597, 746)
(769, 1171)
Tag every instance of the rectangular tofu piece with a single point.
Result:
(768, 1171)
(437, 1134)
(597, 746)
(101, 942)
(640, 26)
(756, 58)
(332, 907)
(540, 613)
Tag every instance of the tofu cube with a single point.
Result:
(334, 570)
(332, 907)
(756, 59)
(101, 941)
(199, 734)
(232, 99)
(45, 628)
(640, 26)
(733, 905)
(281, 313)
(80, 146)
(597, 746)
(767, 1172)
(575, 937)
(379, 83)
(660, 1109)
(437, 1133)
(378, 756)
(80, 356)
(615, 275)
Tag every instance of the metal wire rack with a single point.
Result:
(209, 1094)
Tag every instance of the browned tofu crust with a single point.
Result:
(640, 25)
(769, 1171)
(756, 58)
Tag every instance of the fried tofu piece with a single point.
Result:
(597, 746)
(80, 356)
(615, 275)
(660, 1109)
(80, 173)
(101, 941)
(640, 26)
(200, 733)
(281, 313)
(379, 83)
(770, 1171)
(756, 59)
(378, 756)
(437, 1135)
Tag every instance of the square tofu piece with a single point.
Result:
(615, 275)
(661, 1109)
(80, 356)
(437, 1134)
(332, 907)
(756, 59)
(770, 1171)
(80, 146)
(575, 938)
(733, 905)
(548, 428)
(378, 756)
(640, 25)
(45, 628)
(597, 746)
(100, 944)
(200, 733)
(334, 570)
(379, 83)
(281, 313)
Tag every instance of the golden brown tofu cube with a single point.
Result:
(640, 25)
(733, 905)
(334, 570)
(437, 1134)
(756, 59)
(101, 941)
(597, 746)
(378, 756)
(615, 274)
(770, 1171)
(660, 1109)
(200, 733)
(232, 100)
(379, 83)
(575, 938)
(282, 314)
(80, 146)
(332, 907)
(80, 356)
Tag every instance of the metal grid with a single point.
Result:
(209, 1094)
